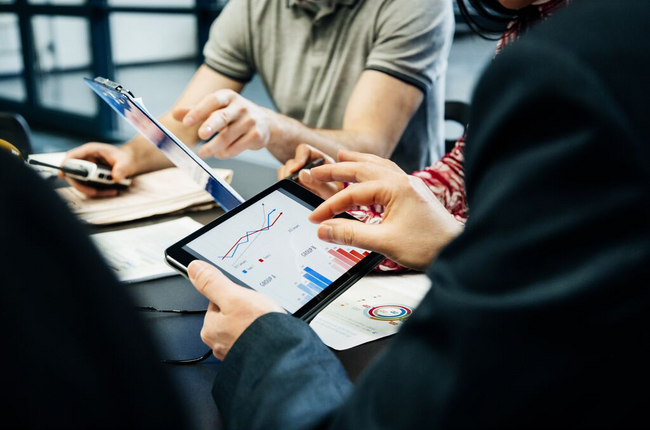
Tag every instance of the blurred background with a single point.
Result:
(152, 47)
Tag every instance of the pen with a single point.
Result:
(79, 172)
(317, 162)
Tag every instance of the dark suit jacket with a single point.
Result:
(539, 312)
(73, 354)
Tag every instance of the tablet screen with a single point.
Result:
(273, 248)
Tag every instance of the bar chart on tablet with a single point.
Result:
(273, 248)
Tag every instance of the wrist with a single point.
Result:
(131, 149)
(280, 127)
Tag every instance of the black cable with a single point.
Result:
(183, 312)
(190, 360)
(173, 311)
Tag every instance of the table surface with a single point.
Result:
(179, 335)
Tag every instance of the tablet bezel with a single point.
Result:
(179, 259)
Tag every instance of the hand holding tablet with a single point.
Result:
(268, 244)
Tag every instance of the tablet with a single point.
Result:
(269, 245)
(124, 103)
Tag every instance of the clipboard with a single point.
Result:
(131, 109)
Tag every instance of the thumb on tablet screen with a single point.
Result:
(210, 282)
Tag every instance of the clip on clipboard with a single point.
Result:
(125, 104)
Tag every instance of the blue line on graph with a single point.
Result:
(268, 217)
(306, 290)
(317, 275)
(316, 281)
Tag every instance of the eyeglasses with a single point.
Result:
(182, 312)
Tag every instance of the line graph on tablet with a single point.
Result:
(246, 238)
(273, 248)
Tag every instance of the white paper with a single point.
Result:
(156, 193)
(138, 254)
(373, 308)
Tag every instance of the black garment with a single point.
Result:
(538, 313)
(73, 353)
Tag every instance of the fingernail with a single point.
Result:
(207, 131)
(305, 176)
(188, 120)
(326, 233)
(195, 268)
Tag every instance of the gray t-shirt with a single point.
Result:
(310, 58)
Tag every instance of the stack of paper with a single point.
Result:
(373, 308)
(162, 192)
(138, 254)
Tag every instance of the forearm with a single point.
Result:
(205, 81)
(148, 157)
(289, 133)
(279, 375)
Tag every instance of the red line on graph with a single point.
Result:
(357, 254)
(252, 232)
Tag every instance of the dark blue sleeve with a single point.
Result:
(279, 375)
(538, 312)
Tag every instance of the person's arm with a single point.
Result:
(227, 67)
(375, 118)
(139, 155)
(410, 46)
(376, 115)
(535, 310)
(206, 80)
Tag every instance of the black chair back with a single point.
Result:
(14, 129)
(457, 112)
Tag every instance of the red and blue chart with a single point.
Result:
(273, 248)
(389, 312)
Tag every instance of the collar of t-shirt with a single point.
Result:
(320, 8)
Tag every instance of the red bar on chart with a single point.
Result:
(352, 259)
(341, 259)
(339, 266)
(357, 254)
(350, 256)
(366, 253)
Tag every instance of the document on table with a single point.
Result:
(373, 308)
(138, 254)
(162, 192)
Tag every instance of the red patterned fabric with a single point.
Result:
(446, 178)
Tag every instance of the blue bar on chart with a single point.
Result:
(314, 287)
(318, 276)
(322, 285)
(306, 290)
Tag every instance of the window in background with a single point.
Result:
(12, 83)
(58, 2)
(155, 57)
(62, 58)
(152, 3)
